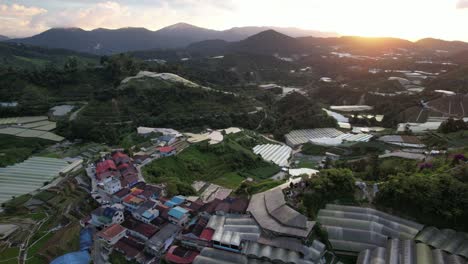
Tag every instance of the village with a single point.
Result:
(140, 222)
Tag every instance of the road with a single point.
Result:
(23, 254)
(98, 252)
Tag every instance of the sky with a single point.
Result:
(409, 19)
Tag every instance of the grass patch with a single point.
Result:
(39, 244)
(230, 180)
(10, 253)
(37, 216)
(308, 164)
(18, 201)
(263, 172)
(225, 163)
(44, 196)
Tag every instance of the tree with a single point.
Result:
(333, 185)
(452, 125)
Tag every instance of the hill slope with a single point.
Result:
(26, 56)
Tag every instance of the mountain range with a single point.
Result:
(272, 42)
(110, 41)
(261, 40)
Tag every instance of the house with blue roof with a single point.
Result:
(166, 140)
(175, 201)
(179, 216)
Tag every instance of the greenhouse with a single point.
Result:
(30, 175)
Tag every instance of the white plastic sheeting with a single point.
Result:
(278, 154)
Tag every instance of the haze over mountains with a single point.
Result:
(107, 41)
(261, 40)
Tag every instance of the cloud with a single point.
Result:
(104, 14)
(462, 4)
(15, 18)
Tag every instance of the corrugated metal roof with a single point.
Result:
(268, 220)
(232, 231)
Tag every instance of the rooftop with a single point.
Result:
(178, 212)
(272, 213)
(112, 231)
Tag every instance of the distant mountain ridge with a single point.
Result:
(110, 41)
(3, 38)
(263, 40)
(272, 42)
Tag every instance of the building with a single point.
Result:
(167, 151)
(175, 201)
(166, 140)
(354, 229)
(299, 137)
(146, 212)
(275, 217)
(139, 229)
(406, 251)
(178, 216)
(403, 141)
(106, 169)
(119, 196)
(161, 241)
(130, 247)
(111, 185)
(229, 233)
(447, 240)
(112, 234)
(132, 202)
(180, 255)
(106, 216)
(120, 158)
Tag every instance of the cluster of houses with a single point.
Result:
(144, 224)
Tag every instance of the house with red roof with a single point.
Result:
(112, 234)
(120, 158)
(167, 151)
(130, 247)
(132, 203)
(106, 169)
(139, 229)
(180, 255)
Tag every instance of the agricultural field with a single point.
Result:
(14, 149)
(227, 164)
(53, 228)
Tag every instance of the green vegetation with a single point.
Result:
(29, 57)
(64, 206)
(118, 258)
(450, 140)
(10, 254)
(452, 125)
(250, 188)
(330, 186)
(295, 111)
(224, 163)
(434, 195)
(14, 149)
